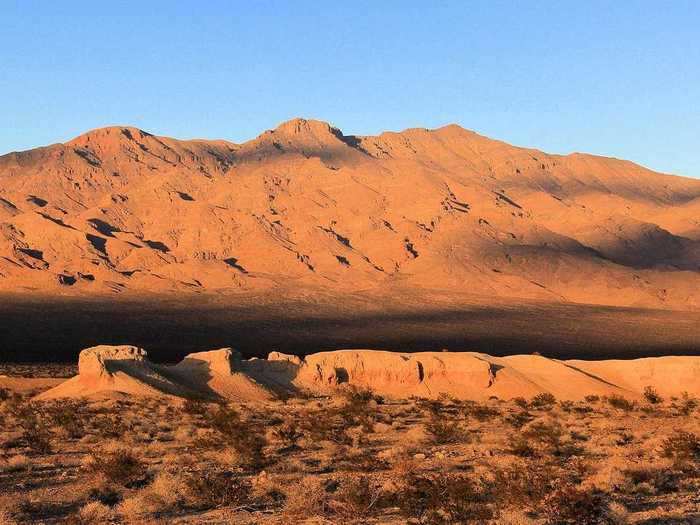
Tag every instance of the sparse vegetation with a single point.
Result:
(119, 466)
(652, 396)
(683, 447)
(545, 400)
(621, 403)
(353, 458)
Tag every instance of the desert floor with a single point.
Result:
(36, 328)
(352, 458)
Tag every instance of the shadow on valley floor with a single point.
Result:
(56, 330)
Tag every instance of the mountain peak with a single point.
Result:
(109, 136)
(301, 130)
(305, 135)
(302, 126)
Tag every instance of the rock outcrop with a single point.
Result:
(119, 369)
(223, 374)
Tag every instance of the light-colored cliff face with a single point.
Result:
(222, 374)
(303, 206)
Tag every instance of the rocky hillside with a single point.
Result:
(304, 206)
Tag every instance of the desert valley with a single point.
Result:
(427, 326)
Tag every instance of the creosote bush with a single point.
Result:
(246, 438)
(120, 466)
(543, 401)
(215, 489)
(194, 407)
(30, 418)
(288, 433)
(356, 497)
(621, 403)
(683, 447)
(443, 430)
(687, 404)
(652, 396)
(437, 498)
(69, 415)
(569, 504)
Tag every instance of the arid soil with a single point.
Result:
(351, 457)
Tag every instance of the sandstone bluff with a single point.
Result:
(224, 375)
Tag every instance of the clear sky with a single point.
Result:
(612, 78)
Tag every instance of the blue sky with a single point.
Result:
(612, 78)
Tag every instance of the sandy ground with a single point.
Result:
(351, 457)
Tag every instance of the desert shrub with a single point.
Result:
(120, 466)
(224, 419)
(582, 409)
(566, 406)
(625, 439)
(110, 425)
(541, 437)
(621, 403)
(359, 408)
(481, 412)
(523, 484)
(550, 492)
(683, 447)
(661, 479)
(445, 498)
(356, 497)
(216, 489)
(443, 431)
(432, 406)
(579, 436)
(521, 446)
(548, 434)
(309, 498)
(15, 464)
(520, 402)
(92, 513)
(38, 438)
(105, 493)
(246, 438)
(571, 504)
(519, 419)
(249, 442)
(68, 415)
(7, 518)
(592, 398)
(325, 425)
(361, 458)
(652, 396)
(35, 432)
(544, 400)
(687, 404)
(194, 407)
(361, 396)
(288, 433)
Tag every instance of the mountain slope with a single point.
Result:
(303, 206)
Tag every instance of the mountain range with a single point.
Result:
(118, 210)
